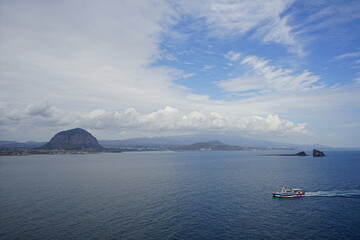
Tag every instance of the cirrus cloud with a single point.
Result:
(262, 77)
(263, 20)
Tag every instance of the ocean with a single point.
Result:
(179, 195)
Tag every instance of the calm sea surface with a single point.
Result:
(179, 195)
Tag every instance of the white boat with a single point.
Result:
(295, 192)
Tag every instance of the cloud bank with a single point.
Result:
(168, 120)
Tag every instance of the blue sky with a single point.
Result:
(286, 71)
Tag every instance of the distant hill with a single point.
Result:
(3, 142)
(74, 139)
(210, 146)
(187, 140)
(198, 138)
(13, 144)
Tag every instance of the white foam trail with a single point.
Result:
(347, 193)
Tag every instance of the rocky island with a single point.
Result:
(317, 153)
(301, 154)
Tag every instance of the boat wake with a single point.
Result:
(347, 193)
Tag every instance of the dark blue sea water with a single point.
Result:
(179, 195)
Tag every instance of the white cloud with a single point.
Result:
(44, 109)
(2, 106)
(187, 75)
(355, 59)
(325, 18)
(103, 56)
(35, 115)
(348, 55)
(237, 18)
(357, 81)
(233, 56)
(168, 119)
(263, 77)
(207, 67)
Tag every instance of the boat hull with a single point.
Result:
(288, 195)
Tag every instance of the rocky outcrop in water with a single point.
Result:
(301, 154)
(74, 139)
(317, 153)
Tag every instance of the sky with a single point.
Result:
(279, 70)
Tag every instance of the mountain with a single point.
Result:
(74, 139)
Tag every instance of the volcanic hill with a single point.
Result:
(74, 139)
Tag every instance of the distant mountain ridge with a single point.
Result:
(198, 138)
(73, 139)
(13, 144)
(211, 146)
(187, 140)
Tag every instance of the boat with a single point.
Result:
(295, 192)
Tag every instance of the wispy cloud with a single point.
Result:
(325, 18)
(264, 18)
(348, 55)
(207, 67)
(357, 81)
(233, 56)
(263, 77)
(354, 57)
